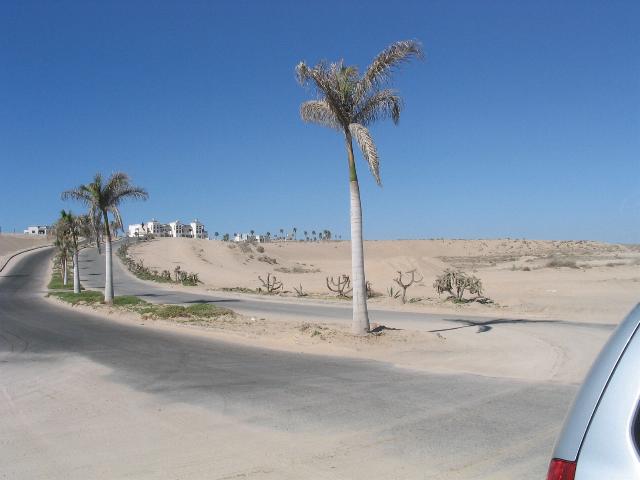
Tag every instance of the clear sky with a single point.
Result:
(524, 120)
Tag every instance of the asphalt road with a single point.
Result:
(83, 397)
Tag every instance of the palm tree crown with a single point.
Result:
(105, 197)
(349, 102)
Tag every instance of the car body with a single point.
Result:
(600, 439)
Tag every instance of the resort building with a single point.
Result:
(37, 230)
(247, 237)
(175, 229)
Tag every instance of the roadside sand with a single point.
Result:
(536, 351)
(13, 243)
(602, 288)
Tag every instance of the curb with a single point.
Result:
(20, 253)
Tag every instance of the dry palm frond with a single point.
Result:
(382, 104)
(391, 57)
(350, 102)
(368, 148)
(318, 111)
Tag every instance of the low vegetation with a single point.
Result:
(131, 303)
(340, 286)
(271, 285)
(562, 262)
(56, 282)
(404, 284)
(456, 283)
(140, 270)
(148, 310)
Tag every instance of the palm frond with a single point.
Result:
(383, 65)
(327, 84)
(379, 106)
(81, 194)
(318, 111)
(368, 148)
(117, 218)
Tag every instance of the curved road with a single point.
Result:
(82, 397)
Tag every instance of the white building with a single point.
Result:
(197, 230)
(179, 229)
(175, 229)
(37, 230)
(247, 237)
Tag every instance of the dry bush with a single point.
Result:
(456, 282)
(271, 284)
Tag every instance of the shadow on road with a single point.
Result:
(487, 325)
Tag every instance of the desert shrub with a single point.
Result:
(296, 269)
(260, 249)
(562, 262)
(270, 284)
(266, 259)
(456, 282)
(300, 292)
(245, 247)
(393, 293)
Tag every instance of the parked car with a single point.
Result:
(600, 439)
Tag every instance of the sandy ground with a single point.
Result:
(602, 287)
(536, 352)
(12, 243)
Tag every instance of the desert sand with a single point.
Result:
(600, 285)
(13, 243)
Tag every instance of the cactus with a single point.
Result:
(341, 286)
(404, 286)
(271, 285)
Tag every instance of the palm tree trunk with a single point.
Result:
(108, 284)
(64, 272)
(76, 273)
(360, 322)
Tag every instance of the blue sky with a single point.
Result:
(524, 120)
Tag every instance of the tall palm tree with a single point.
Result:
(348, 102)
(104, 198)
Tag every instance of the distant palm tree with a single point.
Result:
(348, 102)
(215, 234)
(295, 231)
(62, 244)
(74, 227)
(105, 198)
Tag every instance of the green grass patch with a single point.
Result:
(129, 300)
(198, 310)
(87, 296)
(135, 304)
(56, 281)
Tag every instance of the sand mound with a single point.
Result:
(583, 280)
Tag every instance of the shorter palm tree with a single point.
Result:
(63, 251)
(74, 228)
(104, 198)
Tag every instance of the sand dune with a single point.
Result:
(601, 284)
(12, 243)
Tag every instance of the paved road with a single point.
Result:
(82, 397)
